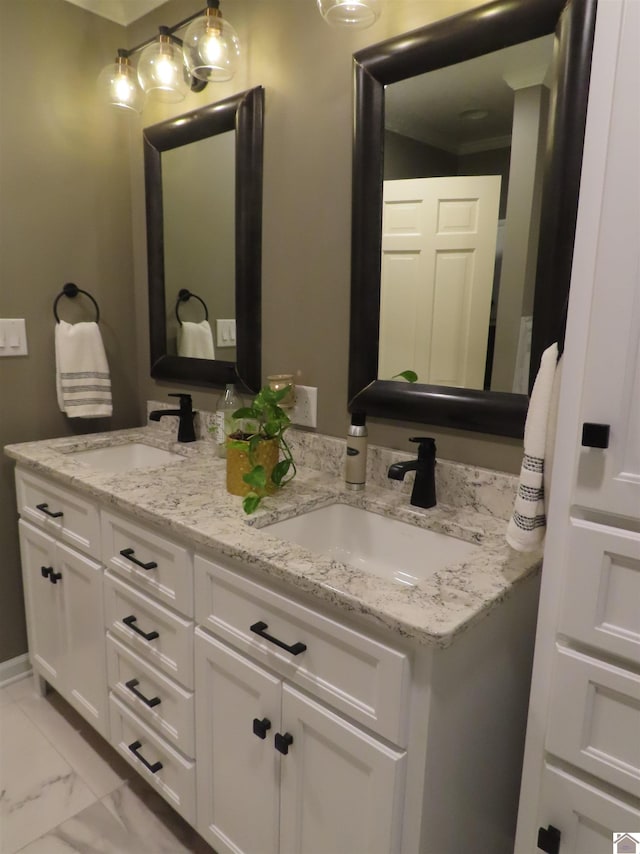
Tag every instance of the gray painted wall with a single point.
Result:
(72, 209)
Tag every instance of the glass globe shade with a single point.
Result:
(357, 14)
(211, 48)
(118, 86)
(161, 71)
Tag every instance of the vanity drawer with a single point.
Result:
(595, 722)
(66, 515)
(175, 780)
(166, 571)
(604, 572)
(155, 698)
(153, 631)
(354, 673)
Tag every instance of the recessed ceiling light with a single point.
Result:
(473, 115)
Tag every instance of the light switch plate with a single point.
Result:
(13, 336)
(226, 333)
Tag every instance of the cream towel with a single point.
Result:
(527, 526)
(83, 384)
(195, 340)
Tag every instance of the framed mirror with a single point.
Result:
(203, 189)
(467, 154)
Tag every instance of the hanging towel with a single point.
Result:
(527, 526)
(83, 384)
(195, 340)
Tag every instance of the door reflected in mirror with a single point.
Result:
(198, 184)
(464, 155)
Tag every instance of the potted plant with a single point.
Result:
(254, 467)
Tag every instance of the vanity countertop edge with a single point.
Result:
(188, 500)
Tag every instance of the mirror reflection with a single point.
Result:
(464, 152)
(198, 186)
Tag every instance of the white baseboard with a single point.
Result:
(14, 669)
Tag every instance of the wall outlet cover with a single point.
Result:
(305, 412)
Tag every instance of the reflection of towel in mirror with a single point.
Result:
(527, 526)
(195, 340)
(83, 384)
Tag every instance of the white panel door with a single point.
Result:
(438, 258)
(609, 480)
(237, 770)
(340, 788)
(43, 603)
(85, 669)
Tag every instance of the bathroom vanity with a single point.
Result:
(278, 698)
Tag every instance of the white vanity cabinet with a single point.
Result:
(149, 621)
(310, 780)
(63, 594)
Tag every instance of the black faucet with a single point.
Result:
(424, 485)
(186, 429)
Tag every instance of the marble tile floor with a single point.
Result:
(64, 790)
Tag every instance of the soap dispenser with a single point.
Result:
(356, 462)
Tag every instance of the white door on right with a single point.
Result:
(438, 259)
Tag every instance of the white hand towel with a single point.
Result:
(527, 526)
(195, 340)
(83, 383)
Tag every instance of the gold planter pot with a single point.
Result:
(266, 454)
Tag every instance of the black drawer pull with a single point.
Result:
(259, 629)
(595, 435)
(132, 684)
(45, 571)
(130, 621)
(283, 742)
(45, 509)
(260, 727)
(134, 748)
(128, 553)
(55, 577)
(549, 839)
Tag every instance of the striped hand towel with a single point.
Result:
(527, 526)
(83, 383)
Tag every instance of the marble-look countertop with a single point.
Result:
(189, 500)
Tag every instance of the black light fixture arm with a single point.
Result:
(169, 31)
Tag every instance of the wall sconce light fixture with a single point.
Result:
(168, 66)
(357, 14)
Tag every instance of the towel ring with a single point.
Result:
(70, 290)
(184, 296)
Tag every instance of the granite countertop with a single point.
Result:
(189, 500)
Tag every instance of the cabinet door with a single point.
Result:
(237, 770)
(586, 816)
(609, 480)
(340, 788)
(43, 603)
(85, 671)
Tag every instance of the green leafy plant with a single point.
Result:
(409, 376)
(264, 420)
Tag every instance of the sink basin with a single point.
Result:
(373, 543)
(135, 455)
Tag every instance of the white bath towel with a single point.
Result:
(195, 340)
(83, 383)
(527, 526)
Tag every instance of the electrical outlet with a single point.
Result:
(305, 412)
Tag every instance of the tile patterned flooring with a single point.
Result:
(64, 790)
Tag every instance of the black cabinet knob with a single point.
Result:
(45, 571)
(260, 727)
(54, 577)
(549, 839)
(283, 742)
(595, 435)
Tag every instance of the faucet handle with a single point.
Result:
(427, 446)
(185, 399)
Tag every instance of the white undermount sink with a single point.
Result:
(134, 455)
(375, 544)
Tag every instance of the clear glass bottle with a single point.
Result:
(224, 424)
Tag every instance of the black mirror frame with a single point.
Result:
(481, 30)
(244, 114)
